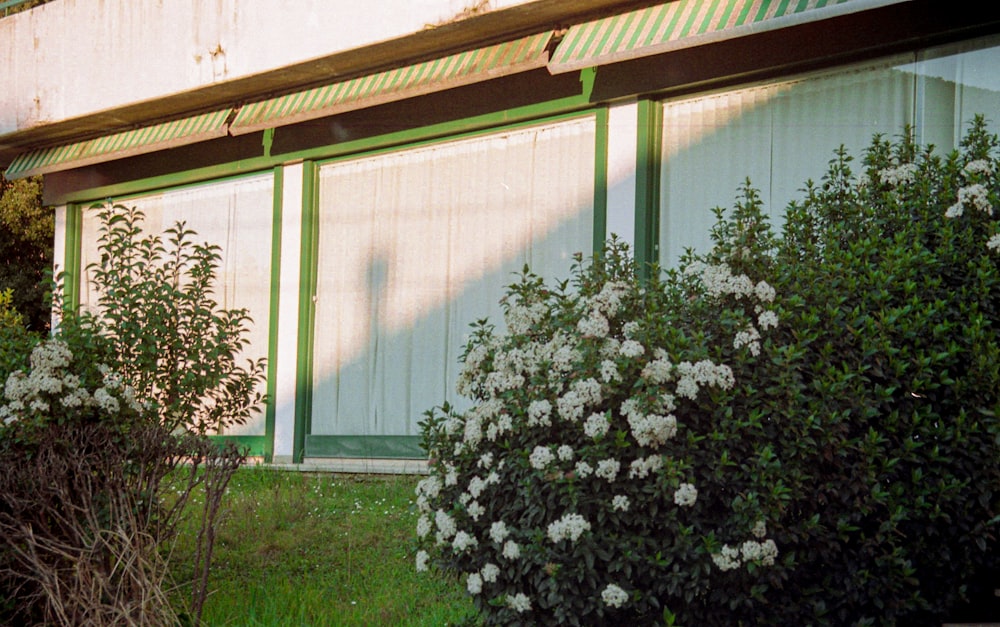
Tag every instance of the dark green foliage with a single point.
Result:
(26, 235)
(857, 430)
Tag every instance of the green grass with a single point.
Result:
(296, 549)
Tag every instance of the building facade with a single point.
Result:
(374, 186)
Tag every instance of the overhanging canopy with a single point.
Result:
(687, 23)
(464, 68)
(125, 144)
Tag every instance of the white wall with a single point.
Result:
(70, 58)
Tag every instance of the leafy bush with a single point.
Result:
(785, 430)
(103, 441)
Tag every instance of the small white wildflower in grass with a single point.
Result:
(686, 495)
(571, 526)
(519, 602)
(541, 457)
(490, 573)
(511, 550)
(620, 503)
(474, 583)
(614, 596)
(422, 558)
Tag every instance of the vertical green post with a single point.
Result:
(600, 181)
(72, 273)
(307, 310)
(272, 337)
(647, 184)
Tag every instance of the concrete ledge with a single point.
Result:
(344, 465)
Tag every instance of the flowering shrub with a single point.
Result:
(102, 436)
(786, 430)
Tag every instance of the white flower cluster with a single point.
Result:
(596, 426)
(902, 174)
(519, 602)
(694, 376)
(614, 596)
(994, 242)
(620, 503)
(973, 196)
(685, 495)
(47, 383)
(642, 467)
(760, 551)
(569, 527)
(522, 318)
(607, 469)
(541, 457)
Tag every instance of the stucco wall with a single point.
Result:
(70, 58)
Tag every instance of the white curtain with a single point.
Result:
(778, 135)
(234, 214)
(415, 245)
(955, 83)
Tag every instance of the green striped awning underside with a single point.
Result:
(687, 23)
(430, 76)
(125, 144)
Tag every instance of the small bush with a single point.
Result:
(786, 430)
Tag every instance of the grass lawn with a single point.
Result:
(297, 549)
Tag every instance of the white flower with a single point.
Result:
(570, 406)
(629, 329)
(474, 583)
(767, 320)
(613, 596)
(609, 371)
(463, 541)
(511, 550)
(640, 468)
(994, 242)
(538, 412)
(570, 526)
(750, 338)
(596, 426)
(541, 457)
(422, 559)
(476, 486)
(979, 166)
(631, 348)
(519, 602)
(759, 529)
(686, 495)
(490, 573)
(104, 400)
(429, 486)
(499, 531)
(445, 525)
(727, 559)
(899, 175)
(475, 510)
(653, 430)
(761, 552)
(565, 453)
(423, 526)
(583, 469)
(608, 469)
(594, 325)
(620, 503)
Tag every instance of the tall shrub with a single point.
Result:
(785, 430)
(103, 435)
